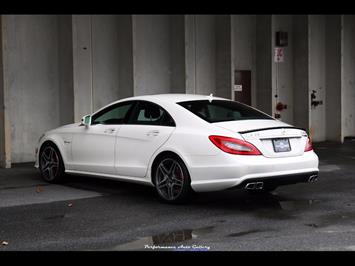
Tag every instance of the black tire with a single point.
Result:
(173, 185)
(51, 164)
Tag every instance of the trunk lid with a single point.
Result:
(266, 135)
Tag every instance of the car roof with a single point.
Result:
(175, 97)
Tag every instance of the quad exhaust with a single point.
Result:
(254, 185)
(313, 178)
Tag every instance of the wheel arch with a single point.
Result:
(52, 141)
(160, 155)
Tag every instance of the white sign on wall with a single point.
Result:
(279, 55)
(238, 87)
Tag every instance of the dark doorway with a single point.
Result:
(242, 86)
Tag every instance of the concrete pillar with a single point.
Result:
(5, 131)
(105, 60)
(317, 75)
(348, 78)
(96, 62)
(223, 56)
(151, 54)
(82, 66)
(125, 55)
(301, 103)
(31, 80)
(282, 72)
(65, 61)
(264, 59)
(190, 54)
(333, 77)
(177, 54)
(243, 30)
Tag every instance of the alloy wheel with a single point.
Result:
(169, 179)
(49, 163)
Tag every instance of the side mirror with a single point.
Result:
(86, 120)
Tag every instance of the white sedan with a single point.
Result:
(180, 143)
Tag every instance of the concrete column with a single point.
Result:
(65, 61)
(301, 103)
(333, 77)
(105, 60)
(151, 54)
(177, 54)
(348, 78)
(317, 75)
(244, 48)
(125, 55)
(223, 56)
(82, 66)
(5, 130)
(30, 61)
(282, 72)
(264, 59)
(190, 54)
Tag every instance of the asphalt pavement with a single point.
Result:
(104, 215)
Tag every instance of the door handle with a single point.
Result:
(153, 133)
(110, 130)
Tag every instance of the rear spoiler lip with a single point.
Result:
(269, 128)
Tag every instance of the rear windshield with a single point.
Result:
(221, 111)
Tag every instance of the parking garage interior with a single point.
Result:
(54, 69)
(57, 68)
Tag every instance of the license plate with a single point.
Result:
(281, 145)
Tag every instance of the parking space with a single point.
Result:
(96, 214)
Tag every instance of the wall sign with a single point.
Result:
(279, 55)
(238, 87)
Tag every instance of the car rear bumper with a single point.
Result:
(226, 171)
(275, 181)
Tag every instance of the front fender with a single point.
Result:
(57, 140)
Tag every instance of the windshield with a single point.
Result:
(221, 110)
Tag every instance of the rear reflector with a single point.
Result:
(234, 146)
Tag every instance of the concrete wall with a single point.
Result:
(96, 62)
(65, 67)
(282, 77)
(32, 77)
(151, 54)
(105, 60)
(82, 66)
(264, 58)
(5, 133)
(223, 56)
(317, 73)
(348, 77)
(244, 47)
(125, 56)
(333, 78)
(205, 54)
(55, 69)
(177, 54)
(301, 103)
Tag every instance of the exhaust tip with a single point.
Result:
(254, 185)
(313, 178)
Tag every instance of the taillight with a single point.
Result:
(308, 145)
(234, 146)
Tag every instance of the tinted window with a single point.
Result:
(112, 115)
(220, 110)
(147, 113)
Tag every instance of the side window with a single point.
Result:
(112, 115)
(147, 113)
